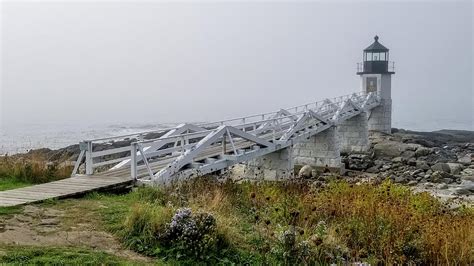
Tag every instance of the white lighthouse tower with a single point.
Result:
(376, 76)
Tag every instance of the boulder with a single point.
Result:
(422, 165)
(439, 176)
(411, 162)
(373, 170)
(305, 171)
(399, 160)
(401, 179)
(455, 168)
(423, 151)
(441, 167)
(467, 174)
(389, 149)
(466, 159)
(447, 180)
(413, 146)
(358, 162)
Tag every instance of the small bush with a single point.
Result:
(156, 230)
(191, 235)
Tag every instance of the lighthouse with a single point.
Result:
(376, 76)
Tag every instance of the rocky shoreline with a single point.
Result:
(441, 162)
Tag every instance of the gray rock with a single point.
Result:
(447, 180)
(412, 183)
(438, 176)
(413, 146)
(408, 154)
(422, 151)
(305, 171)
(422, 165)
(442, 167)
(418, 171)
(455, 168)
(442, 186)
(399, 160)
(373, 170)
(389, 149)
(400, 179)
(411, 162)
(466, 159)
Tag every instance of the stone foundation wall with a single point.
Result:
(320, 150)
(381, 117)
(353, 134)
(274, 166)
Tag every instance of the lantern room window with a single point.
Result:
(374, 56)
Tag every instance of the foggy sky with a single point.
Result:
(110, 62)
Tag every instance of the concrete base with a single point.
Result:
(354, 135)
(321, 150)
(277, 165)
(380, 118)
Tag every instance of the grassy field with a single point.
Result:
(209, 222)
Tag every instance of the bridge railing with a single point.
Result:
(103, 153)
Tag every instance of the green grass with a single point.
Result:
(12, 183)
(20, 255)
(10, 210)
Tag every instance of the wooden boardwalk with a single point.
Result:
(68, 187)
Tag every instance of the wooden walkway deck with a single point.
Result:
(61, 189)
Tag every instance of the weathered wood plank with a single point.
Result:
(60, 189)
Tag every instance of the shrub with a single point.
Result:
(192, 235)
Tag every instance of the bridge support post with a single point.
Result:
(321, 150)
(278, 165)
(354, 134)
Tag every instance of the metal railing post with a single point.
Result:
(89, 160)
(133, 160)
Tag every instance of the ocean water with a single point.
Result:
(22, 138)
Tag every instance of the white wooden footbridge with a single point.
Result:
(268, 144)
(194, 149)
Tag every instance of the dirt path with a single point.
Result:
(47, 225)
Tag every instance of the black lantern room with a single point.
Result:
(376, 58)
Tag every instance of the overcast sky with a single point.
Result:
(110, 62)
